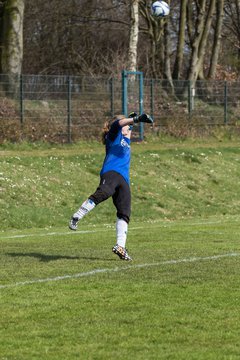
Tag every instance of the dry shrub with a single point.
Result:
(183, 127)
(10, 130)
(10, 125)
(46, 125)
(9, 108)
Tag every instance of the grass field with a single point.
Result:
(64, 295)
(41, 187)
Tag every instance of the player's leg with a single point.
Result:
(84, 209)
(122, 202)
(105, 190)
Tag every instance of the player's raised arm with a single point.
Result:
(134, 118)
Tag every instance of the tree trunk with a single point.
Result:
(12, 37)
(200, 41)
(167, 61)
(155, 31)
(217, 39)
(133, 41)
(181, 40)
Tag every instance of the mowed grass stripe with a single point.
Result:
(110, 227)
(117, 269)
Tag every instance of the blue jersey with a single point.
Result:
(118, 152)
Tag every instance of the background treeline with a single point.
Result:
(199, 40)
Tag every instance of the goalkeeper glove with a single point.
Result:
(132, 114)
(145, 118)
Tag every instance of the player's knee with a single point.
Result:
(124, 217)
(99, 196)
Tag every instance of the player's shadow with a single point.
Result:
(43, 257)
(48, 258)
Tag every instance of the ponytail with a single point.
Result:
(105, 130)
(107, 125)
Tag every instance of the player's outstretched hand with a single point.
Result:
(133, 114)
(145, 118)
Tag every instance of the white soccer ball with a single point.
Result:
(160, 9)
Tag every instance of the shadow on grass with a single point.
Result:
(48, 258)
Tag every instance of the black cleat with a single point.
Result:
(73, 223)
(121, 252)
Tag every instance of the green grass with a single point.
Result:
(174, 301)
(183, 310)
(42, 187)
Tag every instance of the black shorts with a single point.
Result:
(114, 185)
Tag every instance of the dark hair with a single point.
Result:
(105, 130)
(107, 125)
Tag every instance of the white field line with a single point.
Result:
(18, 236)
(118, 269)
(110, 227)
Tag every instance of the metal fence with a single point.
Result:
(69, 108)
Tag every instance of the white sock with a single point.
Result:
(87, 206)
(121, 228)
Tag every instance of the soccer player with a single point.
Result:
(114, 177)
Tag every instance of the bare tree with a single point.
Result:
(181, 40)
(12, 36)
(167, 61)
(133, 41)
(232, 21)
(217, 39)
(103, 37)
(231, 35)
(76, 36)
(203, 27)
(154, 30)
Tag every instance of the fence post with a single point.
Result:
(152, 98)
(69, 115)
(189, 98)
(124, 93)
(125, 75)
(21, 100)
(112, 96)
(225, 102)
(141, 103)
